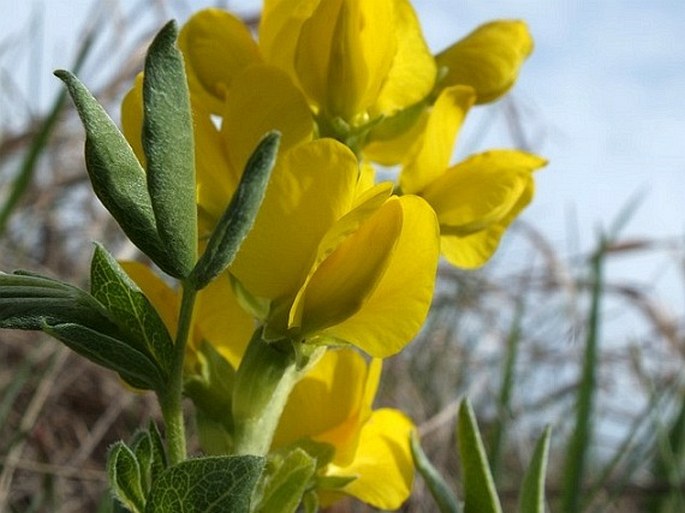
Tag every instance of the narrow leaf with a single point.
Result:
(576, 453)
(508, 374)
(480, 495)
(169, 149)
(239, 217)
(149, 451)
(115, 173)
(442, 495)
(28, 302)
(532, 499)
(221, 484)
(130, 309)
(125, 478)
(132, 365)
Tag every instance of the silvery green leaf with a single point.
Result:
(133, 366)
(237, 220)
(117, 177)
(169, 149)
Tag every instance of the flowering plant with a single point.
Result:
(245, 172)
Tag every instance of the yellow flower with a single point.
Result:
(332, 404)
(488, 59)
(476, 199)
(336, 262)
(355, 60)
(337, 267)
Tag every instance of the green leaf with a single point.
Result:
(211, 390)
(237, 220)
(285, 481)
(133, 366)
(130, 309)
(29, 301)
(116, 175)
(125, 478)
(442, 495)
(480, 495)
(310, 502)
(149, 451)
(169, 149)
(532, 499)
(575, 463)
(222, 484)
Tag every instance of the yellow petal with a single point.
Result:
(396, 308)
(391, 143)
(488, 59)
(311, 187)
(364, 207)
(383, 463)
(132, 118)
(477, 199)
(331, 403)
(344, 54)
(431, 153)
(412, 75)
(217, 46)
(279, 30)
(367, 177)
(263, 98)
(216, 178)
(221, 320)
(344, 281)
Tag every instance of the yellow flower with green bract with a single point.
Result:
(334, 259)
(332, 405)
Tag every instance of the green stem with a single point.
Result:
(171, 400)
(265, 378)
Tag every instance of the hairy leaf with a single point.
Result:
(221, 484)
(133, 366)
(125, 478)
(169, 149)
(130, 309)
(239, 217)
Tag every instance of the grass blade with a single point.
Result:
(508, 375)
(40, 142)
(532, 499)
(442, 495)
(480, 495)
(574, 465)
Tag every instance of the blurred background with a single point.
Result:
(577, 322)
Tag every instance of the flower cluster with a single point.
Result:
(336, 260)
